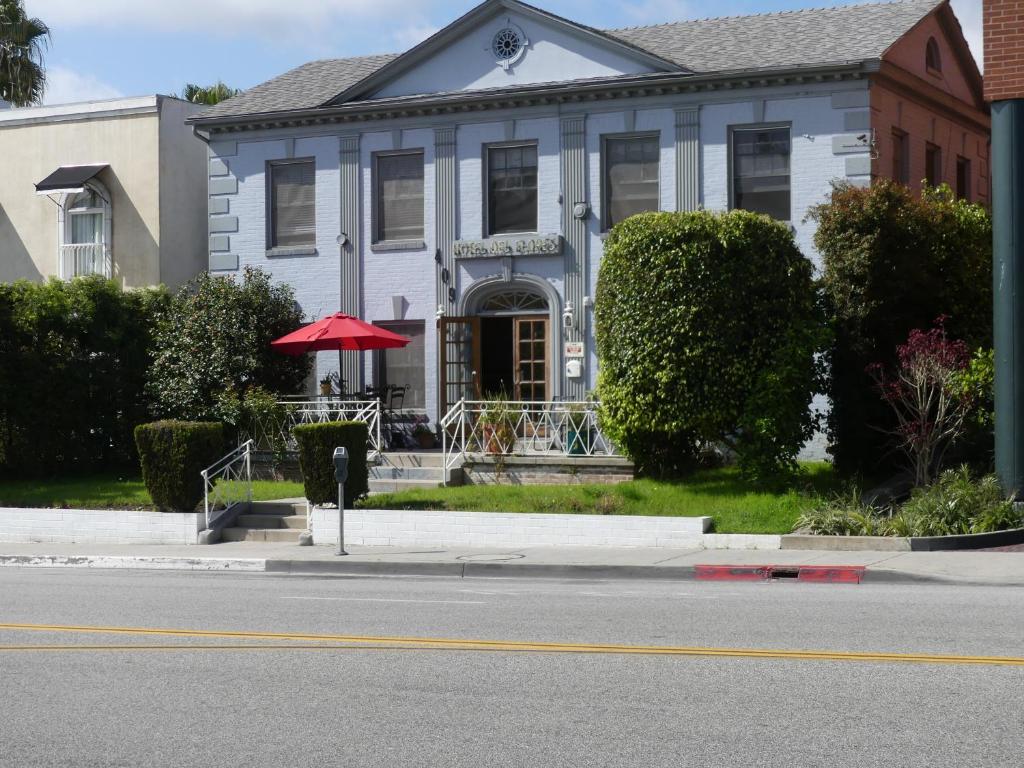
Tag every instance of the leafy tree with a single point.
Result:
(892, 262)
(707, 327)
(22, 41)
(208, 94)
(215, 336)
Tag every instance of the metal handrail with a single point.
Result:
(80, 259)
(523, 428)
(320, 411)
(222, 479)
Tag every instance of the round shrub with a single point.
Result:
(707, 327)
(173, 454)
(316, 460)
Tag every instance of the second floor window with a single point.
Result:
(399, 197)
(511, 189)
(630, 177)
(760, 171)
(293, 204)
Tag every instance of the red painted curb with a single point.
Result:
(820, 574)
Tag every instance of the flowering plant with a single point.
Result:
(926, 395)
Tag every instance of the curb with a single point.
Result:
(463, 570)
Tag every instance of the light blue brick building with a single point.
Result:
(459, 193)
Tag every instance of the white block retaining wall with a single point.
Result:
(115, 526)
(410, 528)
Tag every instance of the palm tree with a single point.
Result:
(22, 41)
(207, 94)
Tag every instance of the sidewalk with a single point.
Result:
(986, 568)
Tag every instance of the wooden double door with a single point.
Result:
(483, 357)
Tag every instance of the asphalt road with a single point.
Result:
(676, 690)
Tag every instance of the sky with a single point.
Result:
(108, 48)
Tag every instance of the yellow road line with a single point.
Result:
(457, 644)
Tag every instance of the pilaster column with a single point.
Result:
(351, 253)
(574, 230)
(688, 159)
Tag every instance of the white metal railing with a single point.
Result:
(81, 259)
(278, 431)
(522, 428)
(228, 481)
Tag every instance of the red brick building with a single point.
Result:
(1004, 49)
(928, 112)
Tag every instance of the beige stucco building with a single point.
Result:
(112, 187)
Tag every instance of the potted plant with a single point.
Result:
(579, 429)
(497, 423)
(424, 435)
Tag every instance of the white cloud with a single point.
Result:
(411, 35)
(969, 13)
(271, 19)
(64, 86)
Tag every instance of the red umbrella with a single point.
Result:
(338, 331)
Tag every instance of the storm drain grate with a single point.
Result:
(823, 574)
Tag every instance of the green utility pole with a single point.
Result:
(1008, 283)
(1004, 89)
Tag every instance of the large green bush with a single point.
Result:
(73, 360)
(216, 335)
(894, 261)
(707, 327)
(316, 451)
(173, 454)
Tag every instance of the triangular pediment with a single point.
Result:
(505, 44)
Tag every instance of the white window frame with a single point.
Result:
(730, 170)
(486, 177)
(410, 243)
(65, 215)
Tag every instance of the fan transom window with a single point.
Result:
(514, 302)
(507, 43)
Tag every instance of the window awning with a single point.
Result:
(68, 179)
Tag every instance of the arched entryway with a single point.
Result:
(503, 343)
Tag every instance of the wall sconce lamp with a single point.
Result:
(568, 316)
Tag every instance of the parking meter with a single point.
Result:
(341, 475)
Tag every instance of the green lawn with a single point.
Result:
(109, 493)
(736, 505)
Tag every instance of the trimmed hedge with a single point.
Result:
(316, 451)
(707, 328)
(73, 360)
(173, 453)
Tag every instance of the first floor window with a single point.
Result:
(900, 171)
(963, 178)
(932, 165)
(292, 204)
(399, 197)
(403, 368)
(760, 171)
(511, 189)
(630, 177)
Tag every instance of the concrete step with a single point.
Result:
(278, 508)
(411, 459)
(280, 535)
(270, 522)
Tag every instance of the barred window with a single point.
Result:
(511, 189)
(760, 169)
(630, 177)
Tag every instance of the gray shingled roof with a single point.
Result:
(847, 33)
(304, 87)
(814, 36)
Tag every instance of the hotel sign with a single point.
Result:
(536, 245)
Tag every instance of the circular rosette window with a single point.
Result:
(508, 45)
